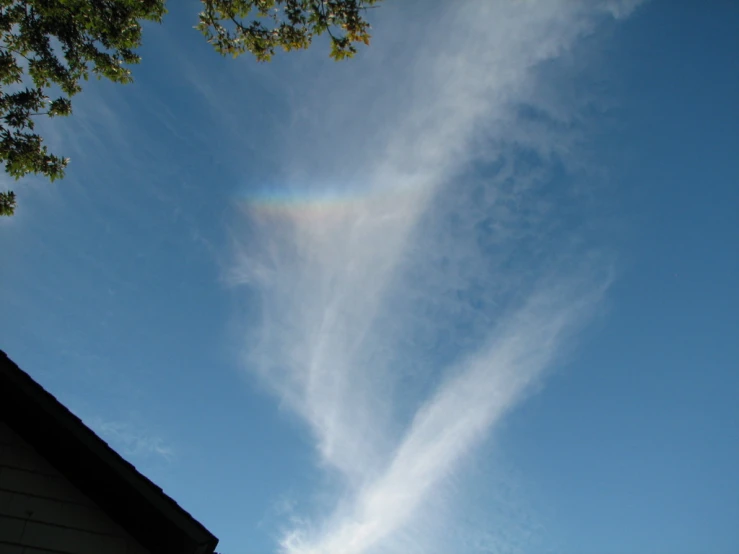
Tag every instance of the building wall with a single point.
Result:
(42, 513)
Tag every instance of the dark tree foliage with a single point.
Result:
(286, 24)
(7, 203)
(48, 47)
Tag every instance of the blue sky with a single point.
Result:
(473, 291)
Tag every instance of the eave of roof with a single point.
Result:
(125, 494)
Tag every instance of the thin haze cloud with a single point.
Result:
(405, 303)
(131, 440)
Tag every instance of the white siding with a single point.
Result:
(42, 513)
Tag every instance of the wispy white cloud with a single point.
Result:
(407, 298)
(131, 440)
(474, 396)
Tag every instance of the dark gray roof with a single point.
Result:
(126, 495)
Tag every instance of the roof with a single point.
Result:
(115, 485)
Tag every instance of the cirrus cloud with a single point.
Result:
(413, 281)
